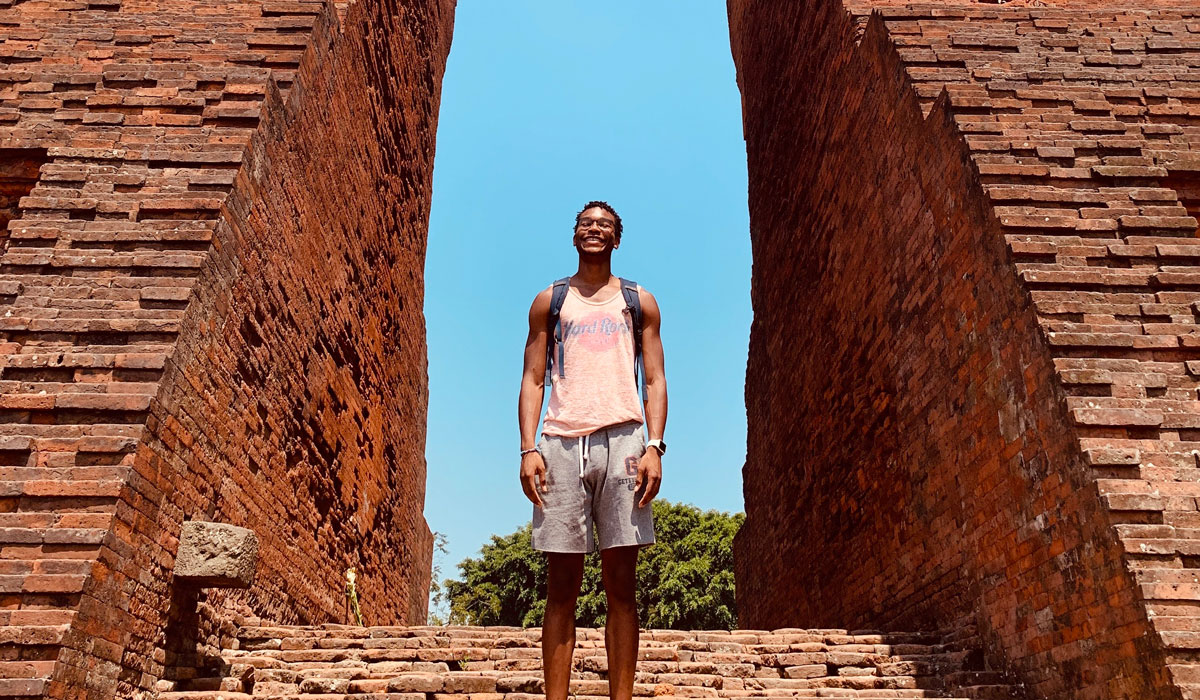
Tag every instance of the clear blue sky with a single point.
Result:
(547, 105)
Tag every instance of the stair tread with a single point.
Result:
(232, 695)
(334, 662)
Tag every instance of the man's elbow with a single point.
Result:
(533, 381)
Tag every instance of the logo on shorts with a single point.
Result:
(631, 470)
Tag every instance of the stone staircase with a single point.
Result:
(338, 662)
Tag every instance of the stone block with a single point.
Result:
(216, 555)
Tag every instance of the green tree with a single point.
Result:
(685, 580)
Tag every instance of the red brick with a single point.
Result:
(903, 218)
(114, 301)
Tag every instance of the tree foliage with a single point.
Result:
(684, 580)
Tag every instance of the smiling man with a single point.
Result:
(589, 334)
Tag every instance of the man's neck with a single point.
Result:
(594, 273)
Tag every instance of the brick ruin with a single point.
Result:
(972, 388)
(212, 283)
(972, 385)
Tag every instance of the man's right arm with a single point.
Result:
(529, 404)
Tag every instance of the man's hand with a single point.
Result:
(649, 475)
(533, 477)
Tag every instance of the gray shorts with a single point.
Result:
(592, 486)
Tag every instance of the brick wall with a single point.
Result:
(274, 379)
(982, 416)
(295, 400)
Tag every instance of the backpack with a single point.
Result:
(633, 305)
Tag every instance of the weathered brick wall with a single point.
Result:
(969, 391)
(295, 399)
(135, 117)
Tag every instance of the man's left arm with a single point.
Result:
(650, 467)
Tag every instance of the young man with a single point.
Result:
(592, 465)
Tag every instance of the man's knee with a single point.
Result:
(621, 598)
(564, 575)
(619, 566)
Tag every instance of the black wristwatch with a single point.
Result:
(658, 445)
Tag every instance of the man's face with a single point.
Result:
(596, 232)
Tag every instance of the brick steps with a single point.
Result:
(358, 695)
(988, 692)
(29, 640)
(333, 662)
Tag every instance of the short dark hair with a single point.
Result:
(606, 207)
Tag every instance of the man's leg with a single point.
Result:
(564, 575)
(619, 568)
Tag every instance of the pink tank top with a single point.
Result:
(597, 388)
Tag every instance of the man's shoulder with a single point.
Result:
(648, 303)
(541, 303)
(644, 294)
(640, 287)
(549, 289)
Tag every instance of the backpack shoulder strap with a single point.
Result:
(633, 304)
(558, 294)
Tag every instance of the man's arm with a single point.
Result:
(650, 468)
(529, 404)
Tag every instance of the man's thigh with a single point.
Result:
(620, 521)
(564, 522)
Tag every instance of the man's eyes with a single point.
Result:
(584, 223)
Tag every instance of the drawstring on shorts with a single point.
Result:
(583, 453)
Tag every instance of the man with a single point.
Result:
(592, 465)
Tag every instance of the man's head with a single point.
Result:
(597, 228)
